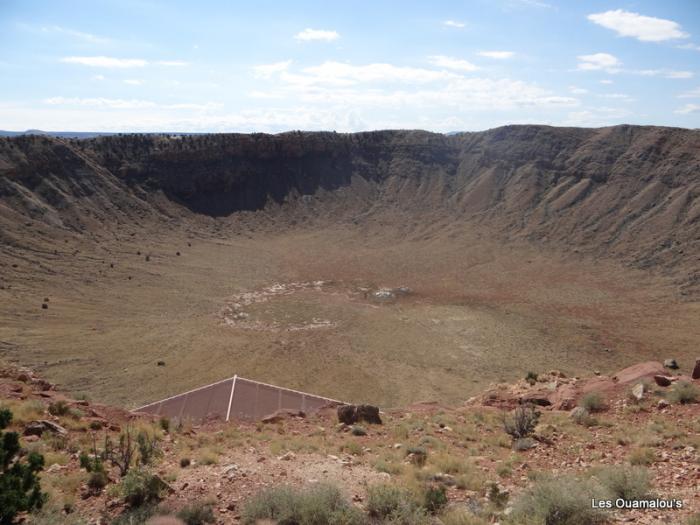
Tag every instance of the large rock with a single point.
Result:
(671, 363)
(634, 373)
(37, 428)
(696, 370)
(351, 414)
(662, 380)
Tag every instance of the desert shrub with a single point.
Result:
(97, 481)
(461, 516)
(592, 402)
(148, 447)
(522, 422)
(317, 505)
(560, 501)
(140, 487)
(358, 430)
(497, 497)
(684, 392)
(641, 456)
(121, 454)
(164, 423)
(694, 519)
(434, 498)
(522, 444)
(531, 378)
(20, 488)
(185, 462)
(624, 482)
(197, 514)
(384, 500)
(136, 515)
(417, 455)
(59, 408)
(582, 416)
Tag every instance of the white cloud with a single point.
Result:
(617, 96)
(457, 64)
(342, 74)
(668, 73)
(267, 70)
(112, 103)
(133, 81)
(606, 81)
(644, 28)
(597, 117)
(123, 104)
(317, 34)
(172, 63)
(382, 86)
(694, 93)
(688, 108)
(454, 23)
(577, 90)
(599, 61)
(99, 78)
(88, 37)
(498, 55)
(693, 47)
(109, 62)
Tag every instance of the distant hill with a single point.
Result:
(60, 134)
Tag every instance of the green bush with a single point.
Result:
(417, 455)
(197, 514)
(684, 392)
(59, 408)
(20, 489)
(97, 481)
(522, 422)
(560, 501)
(434, 498)
(643, 456)
(317, 505)
(592, 402)
(148, 448)
(358, 430)
(624, 482)
(140, 487)
(531, 377)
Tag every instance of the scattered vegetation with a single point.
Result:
(317, 505)
(531, 378)
(684, 392)
(624, 482)
(560, 501)
(417, 455)
(197, 514)
(592, 402)
(522, 422)
(642, 456)
(20, 488)
(140, 487)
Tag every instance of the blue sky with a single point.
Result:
(147, 65)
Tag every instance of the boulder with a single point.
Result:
(634, 373)
(662, 380)
(37, 428)
(671, 363)
(638, 391)
(351, 414)
(696, 370)
(368, 414)
(282, 414)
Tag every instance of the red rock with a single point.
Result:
(662, 380)
(696, 370)
(639, 371)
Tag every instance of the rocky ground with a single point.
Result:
(631, 418)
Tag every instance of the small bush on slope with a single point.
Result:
(317, 505)
(561, 501)
(624, 482)
(684, 392)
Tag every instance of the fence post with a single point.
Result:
(230, 399)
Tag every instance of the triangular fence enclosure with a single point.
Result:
(235, 398)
